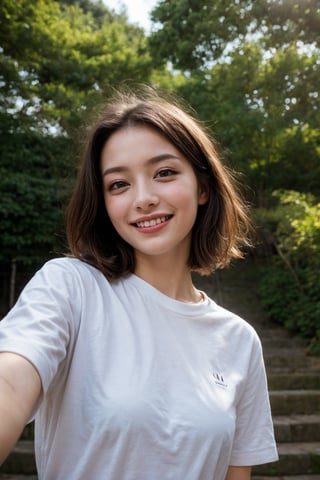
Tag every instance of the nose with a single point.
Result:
(146, 196)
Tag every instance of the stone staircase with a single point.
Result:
(294, 386)
(293, 378)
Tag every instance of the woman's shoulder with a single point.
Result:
(233, 324)
(67, 271)
(70, 264)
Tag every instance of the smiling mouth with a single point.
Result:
(153, 222)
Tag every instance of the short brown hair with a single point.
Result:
(221, 225)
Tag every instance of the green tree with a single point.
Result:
(252, 74)
(34, 187)
(58, 61)
(191, 33)
(202, 31)
(290, 287)
(61, 59)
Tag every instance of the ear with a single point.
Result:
(203, 194)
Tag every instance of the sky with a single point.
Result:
(138, 10)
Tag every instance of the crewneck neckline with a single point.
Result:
(161, 298)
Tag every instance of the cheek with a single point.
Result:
(185, 193)
(114, 207)
(116, 215)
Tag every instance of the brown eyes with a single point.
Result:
(121, 184)
(166, 172)
(117, 185)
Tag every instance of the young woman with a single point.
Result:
(131, 372)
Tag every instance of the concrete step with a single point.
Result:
(5, 476)
(294, 459)
(271, 331)
(293, 358)
(294, 381)
(295, 402)
(297, 428)
(28, 432)
(255, 477)
(290, 370)
(21, 460)
(269, 342)
(284, 477)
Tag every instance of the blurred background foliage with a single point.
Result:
(249, 69)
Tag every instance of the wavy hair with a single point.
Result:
(222, 225)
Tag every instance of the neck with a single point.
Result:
(169, 278)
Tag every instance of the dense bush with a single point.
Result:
(290, 286)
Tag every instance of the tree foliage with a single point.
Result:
(203, 31)
(290, 287)
(34, 186)
(251, 71)
(58, 60)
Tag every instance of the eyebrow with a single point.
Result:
(152, 161)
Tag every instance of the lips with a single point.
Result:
(152, 222)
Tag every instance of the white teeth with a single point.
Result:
(152, 223)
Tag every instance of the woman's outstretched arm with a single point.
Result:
(238, 473)
(20, 389)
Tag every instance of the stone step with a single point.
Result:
(294, 381)
(294, 402)
(21, 460)
(270, 331)
(28, 432)
(290, 370)
(5, 476)
(269, 342)
(293, 358)
(294, 459)
(283, 477)
(297, 428)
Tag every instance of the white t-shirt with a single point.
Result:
(137, 385)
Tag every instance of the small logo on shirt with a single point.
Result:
(219, 380)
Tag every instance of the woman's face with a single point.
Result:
(151, 192)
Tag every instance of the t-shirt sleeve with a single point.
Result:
(43, 322)
(254, 441)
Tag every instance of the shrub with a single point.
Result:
(290, 287)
